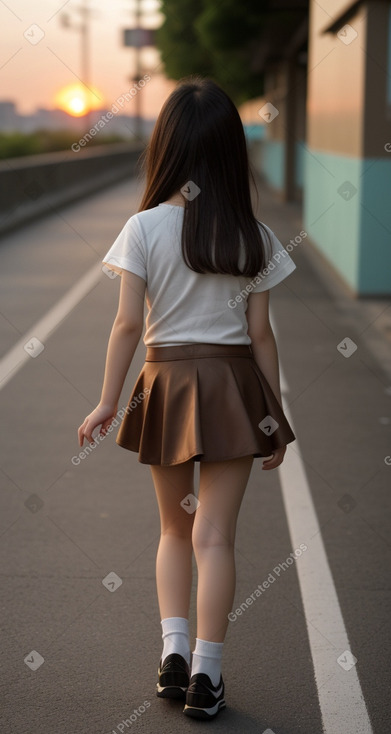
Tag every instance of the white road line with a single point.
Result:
(340, 697)
(17, 356)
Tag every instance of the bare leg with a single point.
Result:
(222, 486)
(174, 556)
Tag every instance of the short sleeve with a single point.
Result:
(279, 266)
(128, 251)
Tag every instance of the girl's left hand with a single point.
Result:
(276, 458)
(103, 415)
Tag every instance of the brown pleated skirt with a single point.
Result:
(206, 402)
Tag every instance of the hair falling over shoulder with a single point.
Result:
(198, 142)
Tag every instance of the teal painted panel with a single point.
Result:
(332, 209)
(375, 262)
(273, 162)
(255, 132)
(347, 214)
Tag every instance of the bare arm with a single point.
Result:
(120, 350)
(264, 348)
(124, 337)
(266, 356)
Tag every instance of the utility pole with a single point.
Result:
(85, 55)
(83, 28)
(137, 69)
(136, 38)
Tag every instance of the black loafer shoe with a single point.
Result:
(203, 699)
(174, 676)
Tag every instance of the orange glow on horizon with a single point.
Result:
(77, 100)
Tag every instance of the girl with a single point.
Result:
(209, 388)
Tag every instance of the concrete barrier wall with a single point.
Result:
(32, 186)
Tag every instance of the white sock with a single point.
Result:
(207, 659)
(176, 637)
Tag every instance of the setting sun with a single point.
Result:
(77, 106)
(77, 100)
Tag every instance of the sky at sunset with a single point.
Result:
(31, 74)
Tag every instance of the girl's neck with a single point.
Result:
(177, 199)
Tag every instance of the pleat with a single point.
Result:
(209, 409)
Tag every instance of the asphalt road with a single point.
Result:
(79, 655)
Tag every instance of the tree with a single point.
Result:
(215, 38)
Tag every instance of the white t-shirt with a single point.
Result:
(183, 306)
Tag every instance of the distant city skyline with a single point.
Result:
(55, 119)
(39, 56)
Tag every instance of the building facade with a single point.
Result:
(330, 141)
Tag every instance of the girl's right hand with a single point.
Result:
(103, 416)
(276, 459)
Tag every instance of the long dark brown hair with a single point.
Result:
(199, 138)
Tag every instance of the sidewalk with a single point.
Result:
(101, 649)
